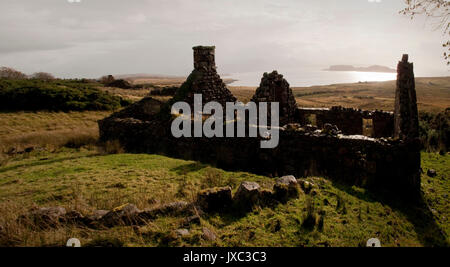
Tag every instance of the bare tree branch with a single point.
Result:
(437, 11)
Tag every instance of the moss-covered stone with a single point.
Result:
(214, 199)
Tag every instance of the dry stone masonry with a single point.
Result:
(349, 120)
(274, 88)
(205, 80)
(406, 118)
(387, 162)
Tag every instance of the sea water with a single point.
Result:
(308, 77)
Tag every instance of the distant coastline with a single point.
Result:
(373, 68)
(165, 79)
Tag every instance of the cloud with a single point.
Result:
(137, 18)
(91, 38)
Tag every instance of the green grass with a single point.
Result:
(436, 190)
(85, 180)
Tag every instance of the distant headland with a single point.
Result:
(374, 68)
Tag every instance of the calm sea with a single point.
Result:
(302, 77)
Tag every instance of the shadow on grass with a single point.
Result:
(187, 168)
(430, 234)
(45, 162)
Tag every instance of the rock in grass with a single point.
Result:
(95, 219)
(182, 232)
(97, 215)
(125, 214)
(432, 173)
(214, 199)
(266, 197)
(174, 208)
(286, 188)
(290, 179)
(247, 196)
(46, 217)
(208, 234)
(73, 217)
(194, 219)
(281, 192)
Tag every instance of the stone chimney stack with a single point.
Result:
(204, 58)
(406, 118)
(205, 80)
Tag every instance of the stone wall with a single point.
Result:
(383, 124)
(349, 120)
(381, 166)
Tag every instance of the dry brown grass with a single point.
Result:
(49, 130)
(243, 93)
(433, 94)
(164, 81)
(112, 147)
(18, 229)
(132, 94)
(159, 81)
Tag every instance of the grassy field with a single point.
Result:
(47, 130)
(66, 167)
(84, 180)
(134, 95)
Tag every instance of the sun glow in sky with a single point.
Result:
(91, 38)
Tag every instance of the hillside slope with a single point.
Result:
(85, 180)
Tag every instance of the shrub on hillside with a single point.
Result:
(10, 73)
(434, 130)
(55, 95)
(43, 76)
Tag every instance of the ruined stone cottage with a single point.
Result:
(387, 161)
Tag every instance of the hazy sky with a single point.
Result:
(91, 38)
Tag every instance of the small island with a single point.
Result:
(373, 68)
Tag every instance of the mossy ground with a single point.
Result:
(85, 179)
